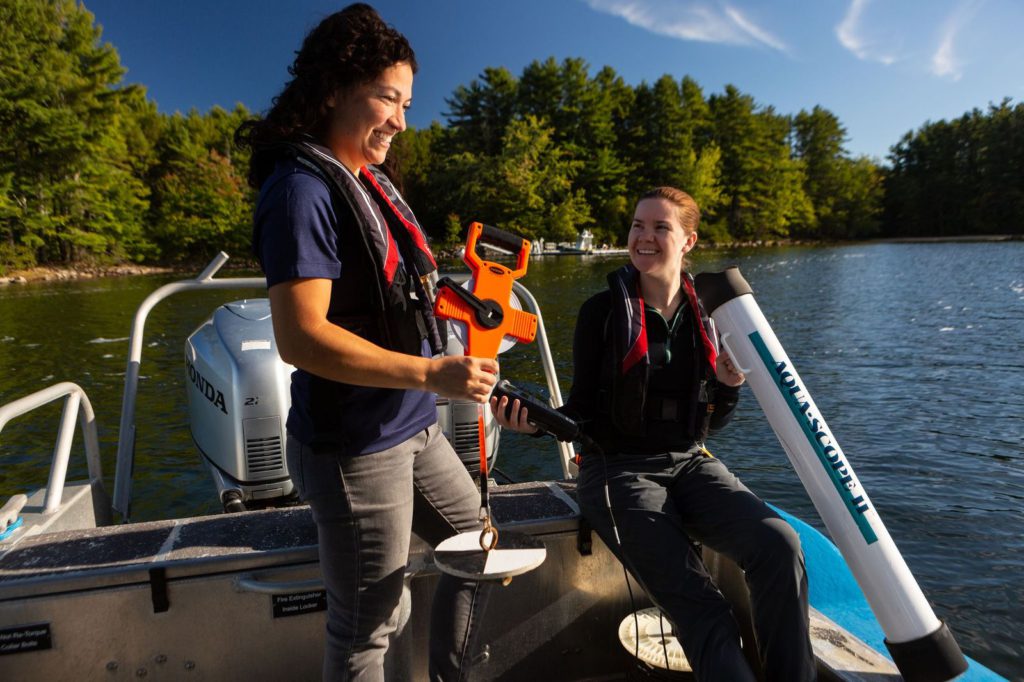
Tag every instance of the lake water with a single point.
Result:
(912, 353)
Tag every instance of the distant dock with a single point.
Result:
(584, 246)
(570, 251)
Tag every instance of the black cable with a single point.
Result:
(622, 552)
(664, 647)
(625, 573)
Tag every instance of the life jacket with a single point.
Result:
(628, 364)
(383, 294)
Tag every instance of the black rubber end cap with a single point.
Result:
(717, 288)
(932, 658)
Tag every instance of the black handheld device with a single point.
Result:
(540, 415)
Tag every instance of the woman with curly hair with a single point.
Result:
(347, 268)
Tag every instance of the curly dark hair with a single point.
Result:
(348, 48)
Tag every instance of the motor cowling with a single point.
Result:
(238, 396)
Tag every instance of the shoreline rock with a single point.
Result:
(52, 274)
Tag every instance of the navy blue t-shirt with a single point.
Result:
(296, 236)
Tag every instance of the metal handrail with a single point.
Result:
(126, 431)
(250, 583)
(76, 404)
(565, 450)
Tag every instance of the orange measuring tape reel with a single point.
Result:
(489, 317)
(486, 311)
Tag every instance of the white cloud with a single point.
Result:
(853, 36)
(937, 37)
(754, 31)
(709, 22)
(945, 62)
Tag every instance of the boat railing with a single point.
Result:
(567, 455)
(126, 431)
(205, 280)
(76, 406)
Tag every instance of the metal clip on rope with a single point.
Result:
(489, 535)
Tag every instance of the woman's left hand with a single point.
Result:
(726, 371)
(512, 416)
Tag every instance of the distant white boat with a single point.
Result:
(584, 244)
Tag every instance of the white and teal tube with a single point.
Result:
(921, 645)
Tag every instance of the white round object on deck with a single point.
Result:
(654, 628)
(462, 556)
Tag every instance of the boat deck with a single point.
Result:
(268, 536)
(236, 596)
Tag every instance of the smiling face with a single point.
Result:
(365, 117)
(657, 239)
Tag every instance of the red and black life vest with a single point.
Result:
(629, 361)
(381, 294)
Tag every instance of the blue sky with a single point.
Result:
(884, 67)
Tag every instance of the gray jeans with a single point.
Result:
(365, 508)
(659, 503)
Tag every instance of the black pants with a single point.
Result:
(659, 503)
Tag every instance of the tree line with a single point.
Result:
(557, 150)
(91, 171)
(959, 177)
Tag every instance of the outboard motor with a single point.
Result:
(239, 392)
(238, 397)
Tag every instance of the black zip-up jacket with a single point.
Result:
(675, 414)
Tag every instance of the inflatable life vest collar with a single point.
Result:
(628, 341)
(389, 235)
